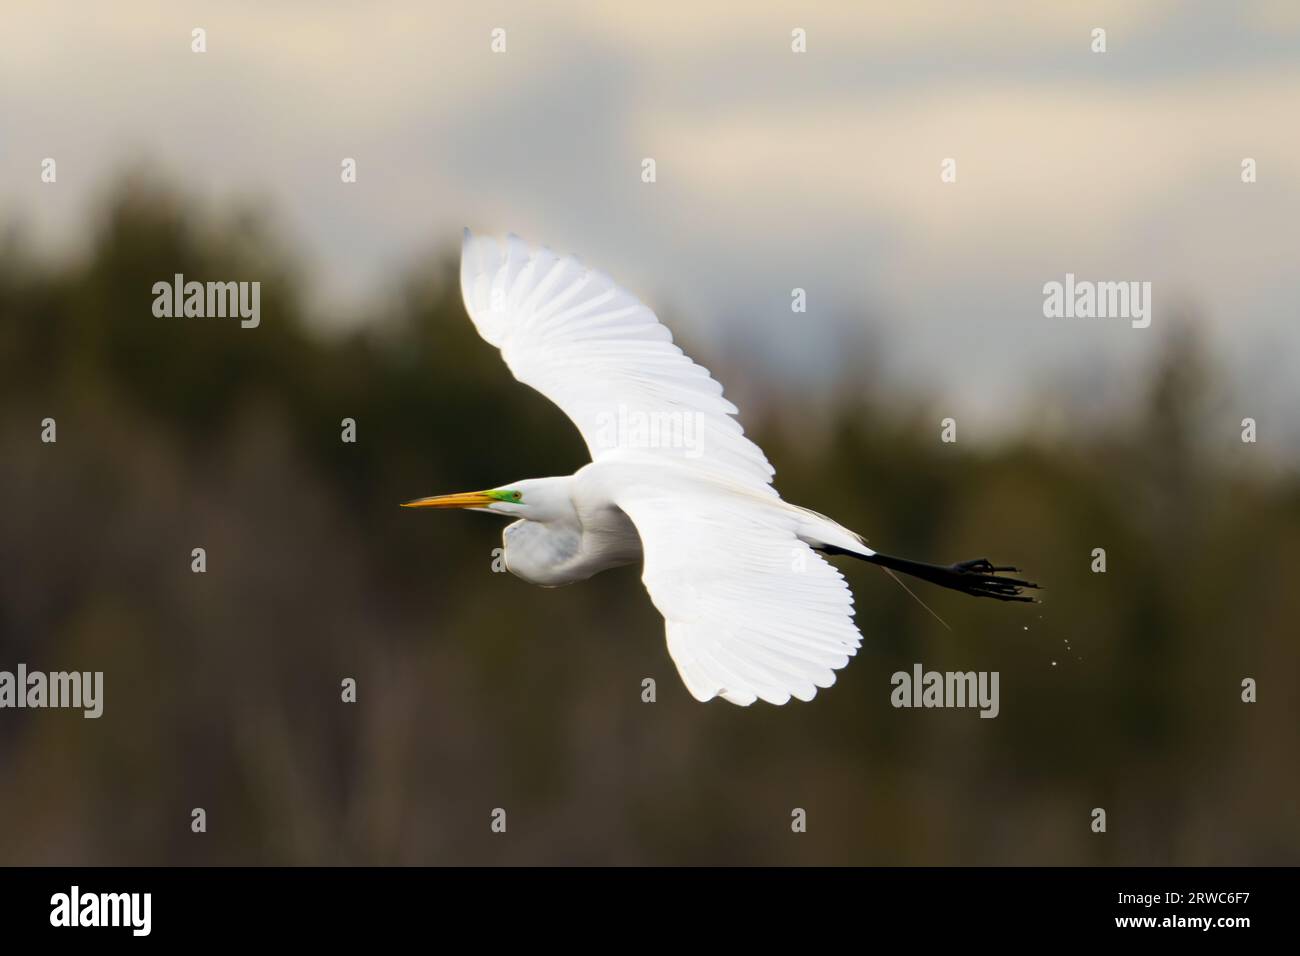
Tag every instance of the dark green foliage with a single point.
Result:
(477, 691)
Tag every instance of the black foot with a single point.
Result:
(979, 577)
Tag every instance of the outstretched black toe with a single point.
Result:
(979, 577)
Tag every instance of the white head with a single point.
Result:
(536, 499)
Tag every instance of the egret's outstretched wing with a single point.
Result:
(751, 611)
(600, 355)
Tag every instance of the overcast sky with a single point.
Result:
(775, 170)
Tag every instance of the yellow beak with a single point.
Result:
(466, 499)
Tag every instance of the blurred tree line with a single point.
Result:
(476, 691)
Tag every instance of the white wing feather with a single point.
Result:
(604, 358)
(751, 611)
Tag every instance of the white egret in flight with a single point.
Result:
(752, 608)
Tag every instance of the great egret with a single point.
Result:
(752, 609)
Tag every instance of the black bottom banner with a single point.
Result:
(725, 906)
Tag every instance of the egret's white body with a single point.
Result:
(586, 530)
(587, 534)
(752, 610)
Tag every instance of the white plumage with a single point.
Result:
(599, 354)
(752, 611)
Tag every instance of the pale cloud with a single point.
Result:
(715, 25)
(1097, 161)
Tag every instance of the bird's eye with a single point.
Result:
(517, 495)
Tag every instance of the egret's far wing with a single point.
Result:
(751, 612)
(600, 355)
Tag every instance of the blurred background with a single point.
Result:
(775, 171)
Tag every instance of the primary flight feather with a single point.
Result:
(752, 609)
